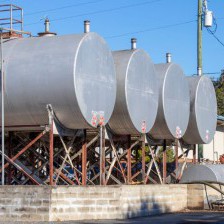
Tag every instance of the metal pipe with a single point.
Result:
(168, 58)
(10, 17)
(199, 71)
(102, 155)
(133, 43)
(194, 154)
(10, 170)
(86, 26)
(84, 160)
(47, 25)
(51, 152)
(176, 155)
(17, 31)
(143, 158)
(164, 162)
(129, 160)
(3, 114)
(22, 19)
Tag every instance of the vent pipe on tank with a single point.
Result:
(133, 43)
(168, 58)
(47, 25)
(86, 26)
(47, 31)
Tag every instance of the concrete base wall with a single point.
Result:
(63, 203)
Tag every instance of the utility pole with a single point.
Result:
(199, 41)
(208, 19)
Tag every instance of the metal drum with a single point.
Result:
(203, 116)
(73, 73)
(207, 172)
(137, 93)
(174, 103)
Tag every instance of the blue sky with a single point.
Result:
(159, 25)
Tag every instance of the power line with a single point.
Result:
(100, 11)
(63, 7)
(212, 32)
(215, 37)
(151, 29)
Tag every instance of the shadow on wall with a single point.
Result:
(146, 207)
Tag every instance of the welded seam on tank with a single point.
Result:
(195, 104)
(126, 78)
(163, 102)
(74, 74)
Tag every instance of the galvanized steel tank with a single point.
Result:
(137, 93)
(174, 103)
(204, 172)
(203, 116)
(73, 73)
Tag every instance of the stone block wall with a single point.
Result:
(116, 202)
(24, 203)
(63, 203)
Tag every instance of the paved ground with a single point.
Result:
(177, 218)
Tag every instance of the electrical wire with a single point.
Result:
(100, 11)
(216, 37)
(212, 32)
(152, 29)
(63, 7)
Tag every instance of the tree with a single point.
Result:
(219, 89)
(170, 156)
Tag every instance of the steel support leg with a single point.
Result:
(129, 160)
(164, 162)
(51, 154)
(143, 158)
(194, 154)
(9, 180)
(176, 157)
(84, 160)
(102, 156)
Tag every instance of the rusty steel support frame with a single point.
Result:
(164, 162)
(10, 153)
(194, 154)
(84, 160)
(51, 153)
(24, 149)
(102, 156)
(143, 158)
(112, 164)
(129, 173)
(176, 157)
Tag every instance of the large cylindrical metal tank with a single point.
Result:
(204, 172)
(174, 102)
(137, 93)
(73, 73)
(203, 115)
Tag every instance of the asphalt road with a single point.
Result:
(178, 218)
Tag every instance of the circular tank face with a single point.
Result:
(94, 79)
(73, 73)
(137, 93)
(174, 103)
(203, 117)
